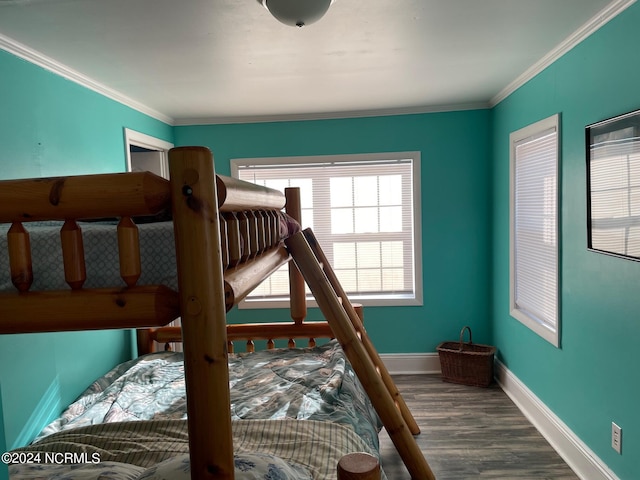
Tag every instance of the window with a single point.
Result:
(534, 227)
(613, 186)
(364, 210)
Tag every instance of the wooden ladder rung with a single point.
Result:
(366, 370)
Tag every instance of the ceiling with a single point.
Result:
(193, 61)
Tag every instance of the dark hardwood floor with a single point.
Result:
(471, 432)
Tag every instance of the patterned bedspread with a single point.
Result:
(158, 450)
(302, 384)
(132, 418)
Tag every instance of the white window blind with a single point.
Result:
(534, 228)
(614, 180)
(362, 210)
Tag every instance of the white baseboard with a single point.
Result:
(411, 363)
(578, 456)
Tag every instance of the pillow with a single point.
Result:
(248, 466)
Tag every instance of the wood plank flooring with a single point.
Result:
(471, 433)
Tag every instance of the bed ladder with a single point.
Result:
(349, 331)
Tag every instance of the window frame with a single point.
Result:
(367, 300)
(544, 329)
(622, 135)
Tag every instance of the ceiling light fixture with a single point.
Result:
(297, 13)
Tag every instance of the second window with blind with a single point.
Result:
(534, 280)
(364, 211)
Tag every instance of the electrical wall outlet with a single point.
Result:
(616, 437)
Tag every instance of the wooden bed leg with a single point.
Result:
(356, 320)
(144, 341)
(204, 330)
(297, 295)
(341, 324)
(358, 466)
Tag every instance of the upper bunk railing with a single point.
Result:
(83, 196)
(117, 194)
(248, 222)
(69, 199)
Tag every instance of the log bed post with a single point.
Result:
(298, 301)
(358, 466)
(200, 278)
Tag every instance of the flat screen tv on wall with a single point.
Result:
(613, 186)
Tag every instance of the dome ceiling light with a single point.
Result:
(297, 13)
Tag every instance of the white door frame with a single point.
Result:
(139, 139)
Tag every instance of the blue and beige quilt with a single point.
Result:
(271, 392)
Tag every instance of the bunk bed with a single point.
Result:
(228, 236)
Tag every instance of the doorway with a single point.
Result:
(146, 153)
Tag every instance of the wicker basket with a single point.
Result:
(466, 363)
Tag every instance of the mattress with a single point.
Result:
(304, 407)
(157, 253)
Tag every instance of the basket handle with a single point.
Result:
(467, 327)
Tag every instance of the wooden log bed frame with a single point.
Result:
(216, 268)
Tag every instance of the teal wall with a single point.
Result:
(4, 470)
(455, 205)
(50, 126)
(591, 380)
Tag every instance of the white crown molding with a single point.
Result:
(32, 56)
(330, 115)
(37, 58)
(609, 12)
(584, 462)
(411, 363)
